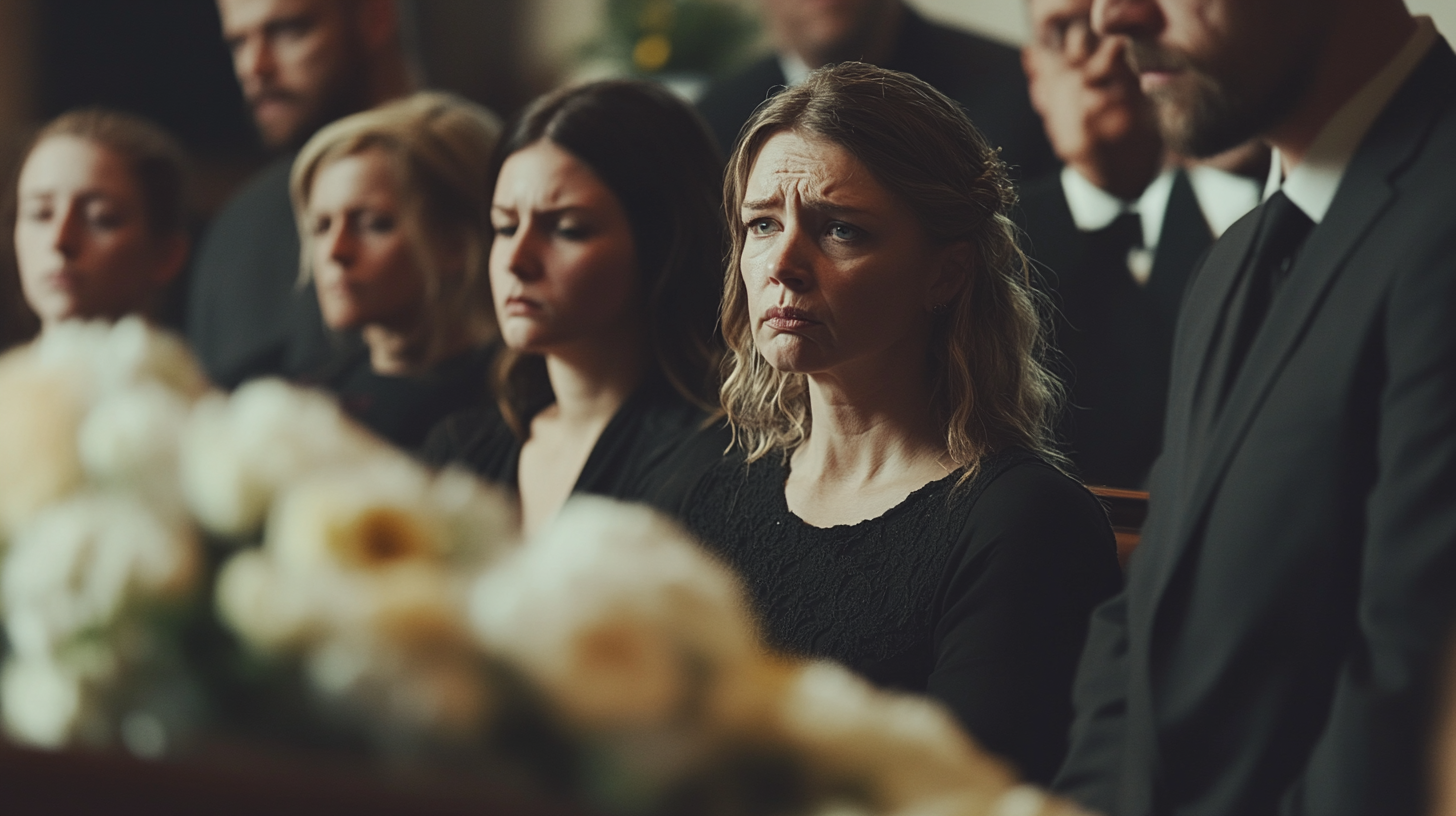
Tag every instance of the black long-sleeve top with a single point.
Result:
(978, 594)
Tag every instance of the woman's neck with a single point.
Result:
(875, 439)
(592, 380)
(393, 353)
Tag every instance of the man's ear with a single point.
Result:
(378, 22)
(953, 267)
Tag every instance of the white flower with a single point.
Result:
(42, 701)
(616, 612)
(385, 512)
(238, 451)
(130, 438)
(913, 752)
(81, 562)
(114, 356)
(39, 412)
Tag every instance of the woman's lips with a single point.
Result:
(518, 306)
(787, 318)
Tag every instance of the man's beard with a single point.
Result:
(1207, 111)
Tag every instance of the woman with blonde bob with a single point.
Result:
(901, 509)
(393, 211)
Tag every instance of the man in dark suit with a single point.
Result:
(1276, 646)
(984, 76)
(1116, 234)
(301, 64)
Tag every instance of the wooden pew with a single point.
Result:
(241, 781)
(1126, 509)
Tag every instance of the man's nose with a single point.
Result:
(1128, 18)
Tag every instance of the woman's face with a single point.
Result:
(563, 267)
(837, 271)
(364, 264)
(82, 241)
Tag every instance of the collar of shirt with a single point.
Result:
(795, 70)
(1312, 183)
(1093, 208)
(1223, 197)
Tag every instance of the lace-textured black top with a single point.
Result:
(977, 594)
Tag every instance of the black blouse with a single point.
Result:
(404, 409)
(633, 460)
(977, 594)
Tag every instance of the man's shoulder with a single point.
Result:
(727, 103)
(261, 204)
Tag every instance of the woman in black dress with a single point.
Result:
(604, 271)
(394, 219)
(900, 509)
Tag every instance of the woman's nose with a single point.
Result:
(68, 237)
(790, 265)
(523, 253)
(338, 244)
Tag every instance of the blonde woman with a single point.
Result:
(901, 510)
(100, 217)
(393, 213)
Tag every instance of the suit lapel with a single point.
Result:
(1366, 191)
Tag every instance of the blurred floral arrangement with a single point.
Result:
(609, 658)
(674, 37)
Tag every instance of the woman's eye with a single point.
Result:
(573, 232)
(761, 226)
(844, 232)
(37, 214)
(321, 226)
(505, 230)
(379, 224)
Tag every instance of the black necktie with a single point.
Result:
(1283, 227)
(1111, 244)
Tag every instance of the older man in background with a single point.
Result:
(301, 64)
(1278, 644)
(1117, 233)
(984, 76)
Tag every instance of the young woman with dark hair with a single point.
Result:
(604, 273)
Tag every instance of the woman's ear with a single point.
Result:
(953, 266)
(171, 257)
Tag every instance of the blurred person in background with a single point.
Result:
(608, 249)
(897, 504)
(100, 217)
(1119, 230)
(301, 64)
(393, 213)
(984, 76)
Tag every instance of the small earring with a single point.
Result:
(939, 308)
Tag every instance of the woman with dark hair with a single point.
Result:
(604, 270)
(100, 216)
(901, 508)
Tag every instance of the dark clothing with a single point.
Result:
(1277, 643)
(977, 595)
(405, 409)
(1115, 336)
(246, 314)
(985, 77)
(630, 461)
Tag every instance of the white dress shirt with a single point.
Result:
(1222, 197)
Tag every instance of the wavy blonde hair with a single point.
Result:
(990, 389)
(440, 146)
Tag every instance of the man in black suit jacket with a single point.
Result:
(1276, 645)
(301, 64)
(984, 76)
(1115, 234)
